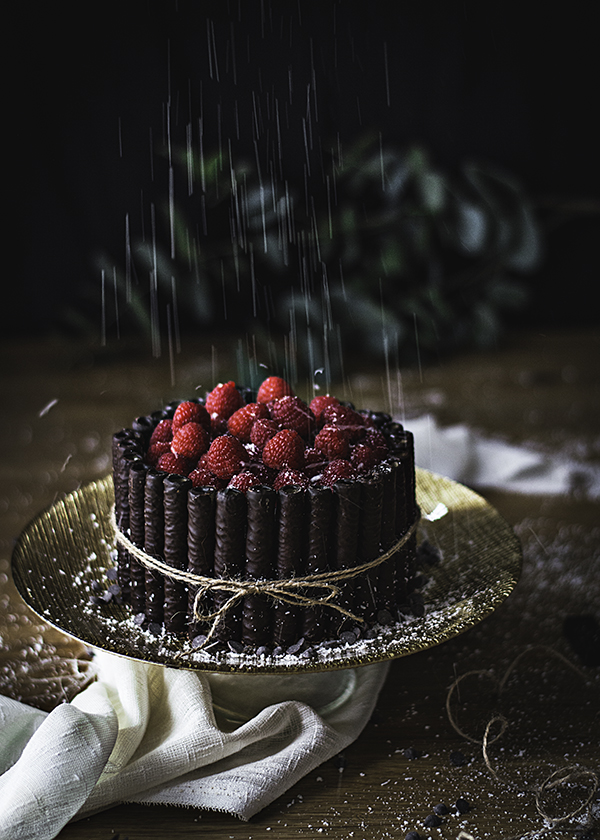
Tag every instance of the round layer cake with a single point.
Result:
(259, 486)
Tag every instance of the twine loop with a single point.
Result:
(558, 778)
(285, 590)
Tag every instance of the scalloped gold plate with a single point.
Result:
(70, 545)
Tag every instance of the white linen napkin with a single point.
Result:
(144, 733)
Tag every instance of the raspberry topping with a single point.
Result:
(319, 404)
(155, 450)
(163, 432)
(285, 449)
(241, 421)
(262, 431)
(174, 464)
(275, 441)
(335, 471)
(226, 456)
(293, 413)
(377, 441)
(190, 412)
(347, 418)
(273, 388)
(202, 477)
(288, 476)
(244, 481)
(190, 440)
(333, 442)
(223, 400)
(363, 457)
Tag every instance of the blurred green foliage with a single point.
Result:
(389, 257)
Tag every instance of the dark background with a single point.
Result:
(513, 84)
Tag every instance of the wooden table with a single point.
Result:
(61, 404)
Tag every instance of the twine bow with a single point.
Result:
(286, 590)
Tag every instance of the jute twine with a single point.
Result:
(286, 590)
(561, 777)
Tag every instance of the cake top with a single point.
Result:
(237, 438)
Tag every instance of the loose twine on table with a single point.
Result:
(286, 590)
(562, 776)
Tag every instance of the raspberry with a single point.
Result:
(273, 388)
(265, 474)
(241, 421)
(190, 440)
(222, 401)
(345, 418)
(313, 456)
(163, 432)
(288, 476)
(333, 443)
(244, 481)
(363, 457)
(337, 470)
(190, 412)
(285, 449)
(262, 431)
(155, 450)
(226, 456)
(293, 413)
(202, 477)
(319, 404)
(174, 464)
(377, 441)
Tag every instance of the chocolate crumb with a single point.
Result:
(457, 758)
(139, 618)
(235, 646)
(432, 820)
(111, 574)
(462, 806)
(411, 753)
(441, 809)
(412, 835)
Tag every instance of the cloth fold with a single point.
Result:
(144, 733)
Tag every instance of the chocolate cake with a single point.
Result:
(257, 522)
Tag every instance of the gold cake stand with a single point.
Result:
(68, 547)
